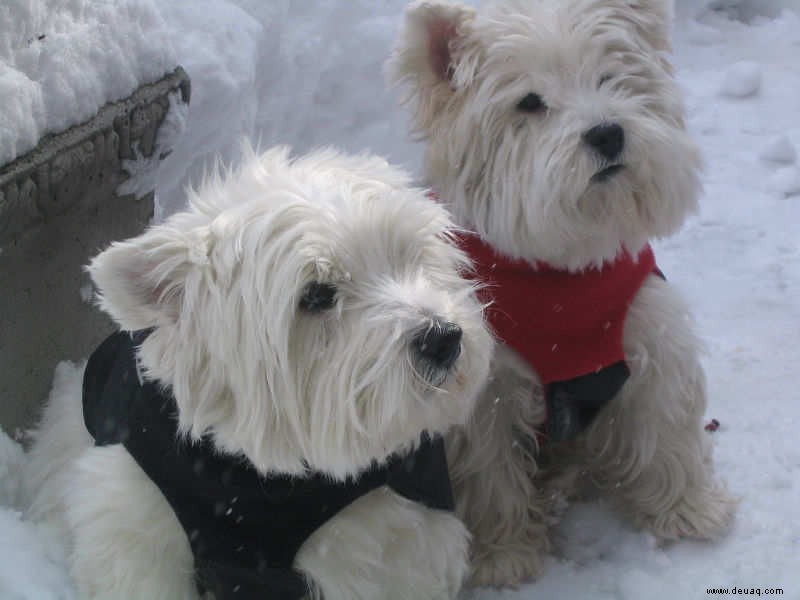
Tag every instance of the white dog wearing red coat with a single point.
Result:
(555, 131)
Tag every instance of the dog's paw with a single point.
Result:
(507, 567)
(704, 514)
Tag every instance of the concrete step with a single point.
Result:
(59, 206)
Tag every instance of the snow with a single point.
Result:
(60, 60)
(11, 462)
(86, 292)
(317, 82)
(779, 149)
(741, 79)
(699, 34)
(28, 568)
(786, 181)
(746, 11)
(143, 171)
(309, 74)
(218, 45)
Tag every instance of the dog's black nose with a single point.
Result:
(439, 344)
(608, 139)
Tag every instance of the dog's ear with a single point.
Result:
(652, 20)
(141, 281)
(427, 59)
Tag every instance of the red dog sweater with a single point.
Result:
(568, 326)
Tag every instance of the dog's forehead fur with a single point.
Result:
(647, 21)
(559, 46)
(326, 204)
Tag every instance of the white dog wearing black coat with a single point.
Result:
(305, 317)
(556, 131)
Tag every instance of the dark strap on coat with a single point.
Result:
(573, 404)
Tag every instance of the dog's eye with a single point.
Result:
(318, 297)
(531, 103)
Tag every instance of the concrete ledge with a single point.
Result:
(58, 207)
(50, 179)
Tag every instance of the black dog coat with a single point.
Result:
(244, 529)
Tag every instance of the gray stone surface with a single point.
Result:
(58, 207)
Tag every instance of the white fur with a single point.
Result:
(394, 549)
(523, 181)
(221, 284)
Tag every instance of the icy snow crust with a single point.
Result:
(60, 60)
(309, 74)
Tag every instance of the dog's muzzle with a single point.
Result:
(436, 350)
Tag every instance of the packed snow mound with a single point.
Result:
(61, 60)
(786, 181)
(29, 569)
(779, 149)
(741, 79)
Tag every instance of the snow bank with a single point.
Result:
(305, 74)
(60, 60)
(30, 567)
(217, 44)
(28, 570)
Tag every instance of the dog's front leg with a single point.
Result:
(385, 547)
(648, 446)
(492, 465)
(128, 542)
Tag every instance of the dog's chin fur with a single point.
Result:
(221, 287)
(535, 189)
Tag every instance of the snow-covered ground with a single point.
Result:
(308, 74)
